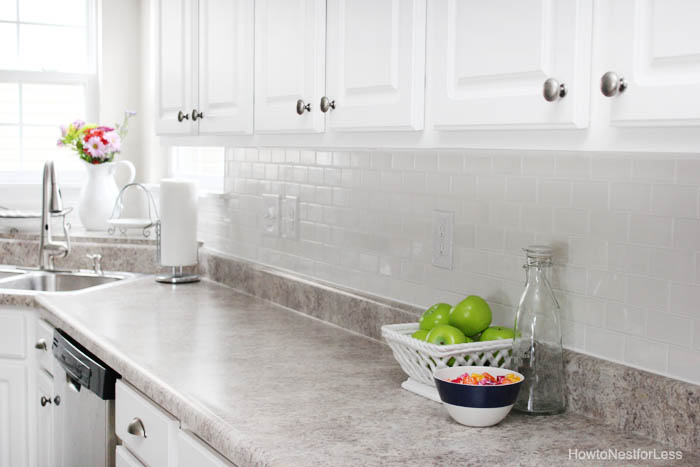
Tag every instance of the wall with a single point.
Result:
(626, 229)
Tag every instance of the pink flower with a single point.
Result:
(60, 143)
(113, 141)
(64, 131)
(95, 147)
(78, 124)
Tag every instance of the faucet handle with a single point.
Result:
(96, 262)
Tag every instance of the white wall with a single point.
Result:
(627, 231)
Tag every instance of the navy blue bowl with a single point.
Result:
(476, 405)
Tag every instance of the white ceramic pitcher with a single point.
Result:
(99, 193)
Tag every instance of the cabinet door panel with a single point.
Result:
(657, 51)
(44, 419)
(174, 85)
(289, 64)
(489, 61)
(226, 66)
(376, 64)
(13, 414)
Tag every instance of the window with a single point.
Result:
(47, 78)
(204, 164)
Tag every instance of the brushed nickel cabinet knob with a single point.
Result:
(611, 84)
(196, 115)
(41, 345)
(327, 104)
(552, 90)
(182, 116)
(136, 428)
(302, 107)
(45, 400)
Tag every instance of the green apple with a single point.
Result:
(472, 315)
(421, 334)
(434, 316)
(497, 332)
(444, 334)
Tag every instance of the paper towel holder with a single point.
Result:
(177, 275)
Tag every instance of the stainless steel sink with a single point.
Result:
(43, 281)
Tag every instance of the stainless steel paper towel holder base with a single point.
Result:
(177, 275)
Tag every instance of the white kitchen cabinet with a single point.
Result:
(290, 47)
(488, 62)
(192, 451)
(204, 69)
(13, 414)
(173, 84)
(375, 64)
(225, 62)
(44, 394)
(655, 47)
(124, 458)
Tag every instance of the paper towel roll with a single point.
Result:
(178, 222)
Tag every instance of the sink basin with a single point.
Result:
(43, 281)
(4, 274)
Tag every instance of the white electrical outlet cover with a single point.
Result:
(270, 215)
(289, 220)
(443, 238)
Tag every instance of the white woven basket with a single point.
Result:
(418, 359)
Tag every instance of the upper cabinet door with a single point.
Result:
(289, 65)
(655, 46)
(225, 66)
(174, 86)
(375, 64)
(489, 61)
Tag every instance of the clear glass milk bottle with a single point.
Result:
(537, 350)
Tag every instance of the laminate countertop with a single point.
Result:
(267, 386)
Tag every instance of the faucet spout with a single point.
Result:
(51, 203)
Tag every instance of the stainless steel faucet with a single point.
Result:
(51, 203)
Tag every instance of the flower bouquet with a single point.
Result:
(95, 144)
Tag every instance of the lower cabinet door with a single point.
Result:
(13, 414)
(125, 459)
(191, 451)
(45, 453)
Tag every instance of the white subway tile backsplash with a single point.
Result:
(634, 197)
(675, 265)
(650, 230)
(611, 168)
(670, 328)
(646, 292)
(589, 194)
(684, 364)
(555, 193)
(607, 344)
(521, 189)
(685, 300)
(647, 354)
(491, 188)
(625, 319)
(675, 200)
(658, 170)
(626, 230)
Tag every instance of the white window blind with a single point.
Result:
(47, 78)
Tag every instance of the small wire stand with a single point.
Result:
(116, 221)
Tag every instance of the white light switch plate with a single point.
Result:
(290, 217)
(271, 215)
(443, 237)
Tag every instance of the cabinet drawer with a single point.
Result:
(42, 346)
(191, 451)
(125, 459)
(160, 428)
(13, 332)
